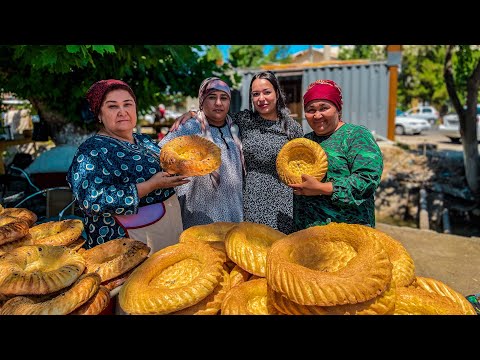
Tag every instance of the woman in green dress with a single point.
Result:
(355, 164)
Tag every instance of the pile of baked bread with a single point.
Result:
(246, 269)
(44, 270)
(222, 268)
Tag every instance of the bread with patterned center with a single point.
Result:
(301, 156)
(172, 279)
(190, 155)
(39, 269)
(334, 264)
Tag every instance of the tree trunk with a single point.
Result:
(467, 118)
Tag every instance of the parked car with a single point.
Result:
(451, 126)
(407, 125)
(426, 112)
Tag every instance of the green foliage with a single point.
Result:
(214, 54)
(246, 56)
(371, 52)
(278, 54)
(421, 76)
(56, 78)
(464, 61)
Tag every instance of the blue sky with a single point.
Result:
(293, 48)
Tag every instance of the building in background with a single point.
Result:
(365, 86)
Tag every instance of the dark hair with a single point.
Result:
(282, 110)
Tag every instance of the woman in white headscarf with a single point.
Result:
(216, 196)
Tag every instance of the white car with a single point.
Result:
(426, 112)
(407, 125)
(451, 126)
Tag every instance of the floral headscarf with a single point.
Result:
(206, 87)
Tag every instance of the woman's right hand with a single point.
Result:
(182, 119)
(161, 180)
(164, 180)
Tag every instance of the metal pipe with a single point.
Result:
(423, 216)
(446, 221)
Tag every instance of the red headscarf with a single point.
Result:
(324, 90)
(96, 94)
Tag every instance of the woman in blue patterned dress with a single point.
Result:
(217, 196)
(264, 128)
(355, 164)
(117, 179)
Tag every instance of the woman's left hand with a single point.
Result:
(311, 187)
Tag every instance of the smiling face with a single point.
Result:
(118, 113)
(216, 106)
(264, 99)
(322, 116)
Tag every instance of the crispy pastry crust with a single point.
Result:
(39, 269)
(190, 155)
(26, 240)
(403, 271)
(12, 229)
(247, 244)
(301, 156)
(96, 304)
(62, 303)
(434, 287)
(248, 298)
(212, 233)
(383, 304)
(212, 303)
(115, 257)
(172, 279)
(328, 265)
(238, 276)
(63, 232)
(21, 214)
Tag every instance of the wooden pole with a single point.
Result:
(394, 59)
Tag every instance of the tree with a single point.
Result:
(55, 78)
(466, 70)
(278, 54)
(246, 56)
(421, 77)
(372, 52)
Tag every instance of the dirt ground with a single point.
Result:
(452, 259)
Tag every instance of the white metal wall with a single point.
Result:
(364, 87)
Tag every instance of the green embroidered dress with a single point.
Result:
(355, 166)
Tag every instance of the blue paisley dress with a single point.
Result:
(103, 177)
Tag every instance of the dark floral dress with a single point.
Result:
(266, 200)
(355, 166)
